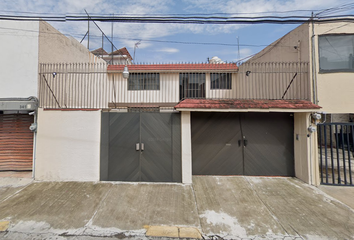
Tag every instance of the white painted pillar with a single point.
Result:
(305, 150)
(186, 143)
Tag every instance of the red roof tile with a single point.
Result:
(232, 67)
(122, 51)
(99, 51)
(245, 104)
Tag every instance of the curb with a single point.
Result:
(173, 232)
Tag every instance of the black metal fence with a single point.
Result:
(336, 153)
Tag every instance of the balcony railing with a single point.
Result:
(76, 86)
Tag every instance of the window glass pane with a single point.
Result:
(192, 85)
(336, 52)
(220, 80)
(144, 81)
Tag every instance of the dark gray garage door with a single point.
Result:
(256, 144)
(142, 147)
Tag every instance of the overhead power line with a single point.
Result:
(141, 39)
(164, 15)
(184, 19)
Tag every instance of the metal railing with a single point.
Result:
(336, 153)
(91, 86)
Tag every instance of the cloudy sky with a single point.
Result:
(157, 42)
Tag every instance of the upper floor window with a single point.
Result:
(144, 81)
(336, 53)
(220, 80)
(192, 85)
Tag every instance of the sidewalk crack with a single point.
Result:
(196, 206)
(10, 196)
(95, 213)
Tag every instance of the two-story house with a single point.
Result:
(168, 122)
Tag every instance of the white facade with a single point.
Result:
(24, 46)
(68, 145)
(168, 93)
(19, 59)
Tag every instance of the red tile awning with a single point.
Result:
(245, 105)
(176, 67)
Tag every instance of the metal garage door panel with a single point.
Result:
(160, 136)
(156, 158)
(270, 144)
(123, 160)
(215, 149)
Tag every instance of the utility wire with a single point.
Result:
(185, 20)
(340, 8)
(143, 40)
(166, 15)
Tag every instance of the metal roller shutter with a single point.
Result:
(16, 142)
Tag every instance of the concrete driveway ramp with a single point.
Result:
(228, 207)
(131, 206)
(241, 207)
(60, 205)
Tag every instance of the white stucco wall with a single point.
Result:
(68, 145)
(19, 59)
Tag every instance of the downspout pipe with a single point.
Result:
(34, 145)
(35, 125)
(314, 89)
(313, 50)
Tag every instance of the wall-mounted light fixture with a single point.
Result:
(125, 72)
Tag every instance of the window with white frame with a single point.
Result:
(220, 80)
(144, 81)
(336, 53)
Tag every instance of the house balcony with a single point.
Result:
(98, 86)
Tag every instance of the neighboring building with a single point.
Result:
(120, 56)
(25, 45)
(328, 48)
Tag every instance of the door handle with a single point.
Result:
(239, 143)
(245, 142)
(137, 146)
(142, 146)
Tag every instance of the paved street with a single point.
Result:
(217, 207)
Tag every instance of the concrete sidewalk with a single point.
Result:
(218, 207)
